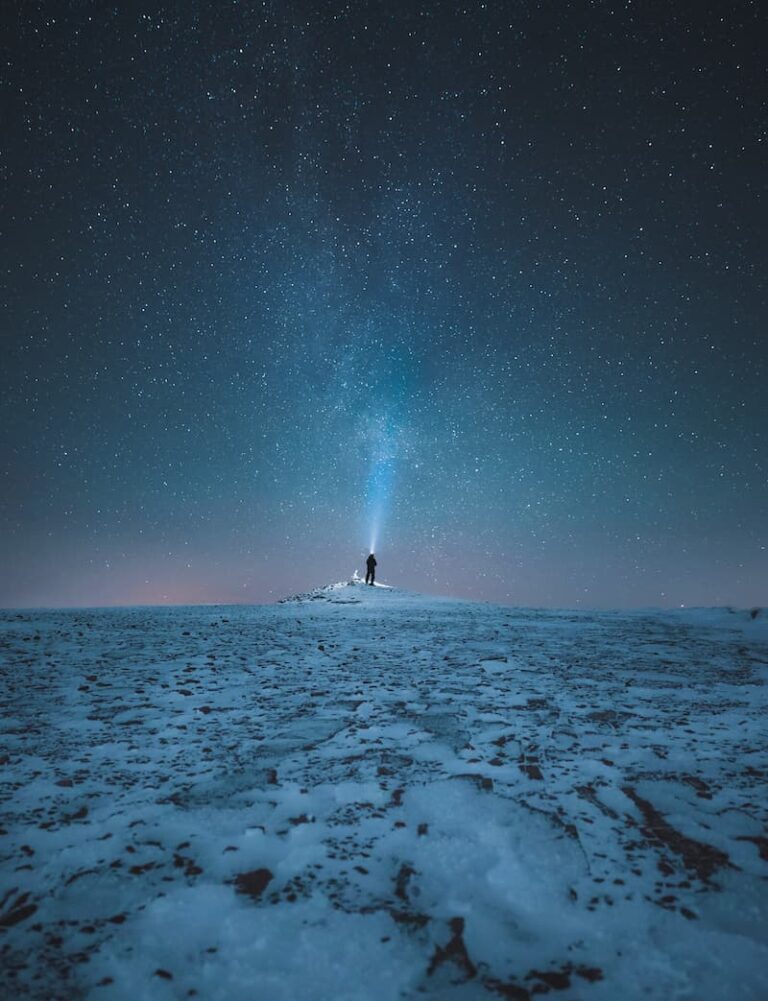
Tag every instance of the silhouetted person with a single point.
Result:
(371, 565)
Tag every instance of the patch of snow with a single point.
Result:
(364, 793)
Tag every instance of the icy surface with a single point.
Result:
(366, 794)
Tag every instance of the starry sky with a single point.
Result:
(482, 284)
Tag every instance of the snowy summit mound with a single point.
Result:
(370, 795)
(349, 591)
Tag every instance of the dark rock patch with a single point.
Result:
(701, 858)
(253, 883)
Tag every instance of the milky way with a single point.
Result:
(487, 278)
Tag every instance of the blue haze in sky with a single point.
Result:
(486, 280)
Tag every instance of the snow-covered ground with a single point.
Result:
(366, 794)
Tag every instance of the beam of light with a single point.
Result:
(383, 442)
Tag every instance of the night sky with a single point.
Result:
(484, 281)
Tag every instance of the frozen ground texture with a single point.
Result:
(366, 794)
